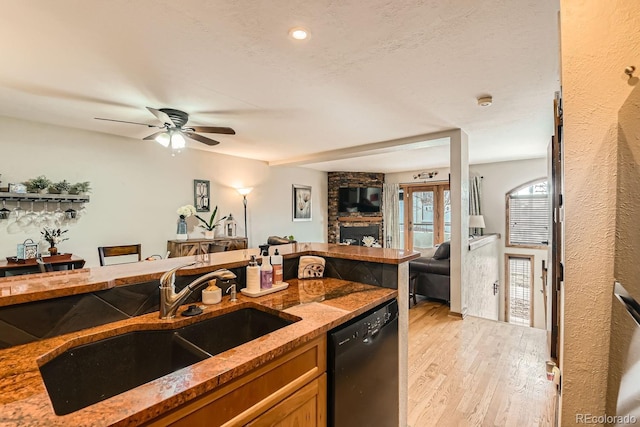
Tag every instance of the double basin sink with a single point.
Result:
(90, 373)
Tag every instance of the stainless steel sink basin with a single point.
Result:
(90, 373)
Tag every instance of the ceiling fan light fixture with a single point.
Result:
(173, 132)
(163, 139)
(299, 33)
(177, 141)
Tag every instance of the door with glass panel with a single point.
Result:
(426, 216)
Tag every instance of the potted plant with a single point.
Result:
(61, 187)
(38, 185)
(53, 236)
(210, 225)
(80, 188)
(184, 212)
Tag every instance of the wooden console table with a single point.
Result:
(30, 266)
(178, 248)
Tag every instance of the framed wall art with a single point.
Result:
(201, 197)
(17, 188)
(301, 202)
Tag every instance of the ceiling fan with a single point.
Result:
(174, 130)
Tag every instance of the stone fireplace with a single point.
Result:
(352, 221)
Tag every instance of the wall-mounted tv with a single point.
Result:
(359, 199)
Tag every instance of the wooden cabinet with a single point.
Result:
(306, 407)
(290, 390)
(178, 248)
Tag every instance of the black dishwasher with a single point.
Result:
(363, 370)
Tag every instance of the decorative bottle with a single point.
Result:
(266, 272)
(181, 233)
(276, 263)
(253, 275)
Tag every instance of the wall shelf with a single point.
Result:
(35, 197)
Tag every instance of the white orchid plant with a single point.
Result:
(188, 210)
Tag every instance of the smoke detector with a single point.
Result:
(485, 101)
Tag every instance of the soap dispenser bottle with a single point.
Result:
(276, 263)
(253, 275)
(266, 272)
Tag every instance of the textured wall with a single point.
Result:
(599, 39)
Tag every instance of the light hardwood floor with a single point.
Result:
(476, 372)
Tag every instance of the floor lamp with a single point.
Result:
(243, 192)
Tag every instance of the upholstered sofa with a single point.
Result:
(430, 276)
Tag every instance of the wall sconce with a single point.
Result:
(425, 175)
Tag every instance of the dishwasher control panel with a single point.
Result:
(367, 326)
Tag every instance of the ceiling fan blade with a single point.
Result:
(201, 138)
(123, 121)
(162, 116)
(153, 136)
(213, 129)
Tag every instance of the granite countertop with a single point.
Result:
(36, 287)
(321, 304)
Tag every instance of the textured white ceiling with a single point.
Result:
(371, 71)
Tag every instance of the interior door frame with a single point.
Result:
(438, 189)
(557, 230)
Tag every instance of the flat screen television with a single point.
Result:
(359, 199)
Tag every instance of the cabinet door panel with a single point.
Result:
(242, 400)
(306, 407)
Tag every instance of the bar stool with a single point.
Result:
(112, 251)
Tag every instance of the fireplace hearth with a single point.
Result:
(354, 234)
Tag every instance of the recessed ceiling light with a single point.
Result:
(485, 101)
(299, 33)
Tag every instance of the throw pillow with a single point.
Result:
(443, 251)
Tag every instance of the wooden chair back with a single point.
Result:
(112, 251)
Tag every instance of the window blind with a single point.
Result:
(529, 219)
(519, 290)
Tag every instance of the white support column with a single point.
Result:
(403, 339)
(459, 187)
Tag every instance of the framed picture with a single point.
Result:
(30, 250)
(201, 197)
(301, 203)
(17, 188)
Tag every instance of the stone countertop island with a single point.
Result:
(20, 289)
(320, 304)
